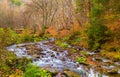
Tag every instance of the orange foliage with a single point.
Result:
(114, 43)
(115, 25)
(18, 73)
(76, 27)
(89, 60)
(112, 46)
(64, 33)
(52, 30)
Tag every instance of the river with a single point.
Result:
(45, 56)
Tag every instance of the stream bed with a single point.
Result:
(48, 56)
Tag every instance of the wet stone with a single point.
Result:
(85, 64)
(119, 71)
(92, 53)
(98, 59)
(71, 74)
(54, 49)
(117, 63)
(38, 49)
(61, 75)
(114, 71)
(106, 60)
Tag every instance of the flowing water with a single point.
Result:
(53, 60)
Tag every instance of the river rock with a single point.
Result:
(106, 60)
(78, 48)
(98, 59)
(71, 74)
(61, 75)
(38, 48)
(83, 63)
(114, 71)
(51, 40)
(119, 71)
(30, 52)
(54, 48)
(117, 63)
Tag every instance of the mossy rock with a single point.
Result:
(71, 74)
(114, 71)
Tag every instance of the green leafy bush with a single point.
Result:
(66, 39)
(61, 43)
(64, 45)
(7, 37)
(101, 1)
(73, 39)
(2, 36)
(16, 2)
(34, 71)
(11, 36)
(81, 59)
(37, 39)
(73, 50)
(5, 56)
(97, 32)
(9, 63)
(46, 36)
(27, 38)
(18, 63)
(97, 36)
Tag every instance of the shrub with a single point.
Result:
(34, 71)
(73, 39)
(37, 39)
(81, 59)
(97, 32)
(26, 36)
(97, 35)
(66, 39)
(18, 63)
(10, 64)
(16, 2)
(73, 50)
(2, 33)
(7, 37)
(46, 36)
(61, 43)
(17, 73)
(64, 45)
(11, 36)
(5, 56)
